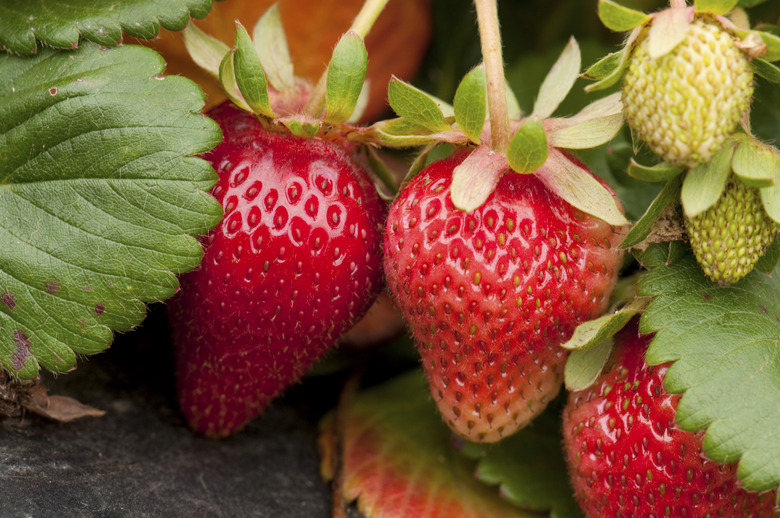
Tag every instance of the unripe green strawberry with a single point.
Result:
(685, 103)
(730, 237)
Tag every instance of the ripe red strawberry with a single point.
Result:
(491, 294)
(627, 457)
(294, 263)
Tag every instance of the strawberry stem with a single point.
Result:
(490, 38)
(361, 25)
(678, 3)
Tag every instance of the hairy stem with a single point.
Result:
(678, 3)
(361, 25)
(490, 38)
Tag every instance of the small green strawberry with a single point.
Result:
(729, 237)
(687, 101)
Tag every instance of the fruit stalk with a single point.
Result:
(490, 38)
(361, 25)
(678, 3)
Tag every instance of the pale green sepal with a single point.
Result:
(380, 170)
(604, 67)
(772, 42)
(619, 18)
(528, 148)
(770, 197)
(362, 103)
(270, 43)
(227, 78)
(512, 105)
(400, 132)
(206, 51)
(470, 103)
(591, 333)
(249, 73)
(617, 70)
(765, 69)
(596, 124)
(346, 73)
(559, 81)
(579, 188)
(755, 163)
(475, 179)
(415, 106)
(642, 228)
(300, 127)
(655, 173)
(704, 184)
(669, 29)
(584, 366)
(717, 7)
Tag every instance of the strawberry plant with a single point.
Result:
(583, 256)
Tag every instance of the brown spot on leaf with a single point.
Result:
(99, 309)
(8, 300)
(22, 351)
(52, 286)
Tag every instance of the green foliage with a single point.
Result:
(470, 103)
(98, 198)
(25, 24)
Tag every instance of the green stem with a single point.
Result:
(490, 38)
(361, 25)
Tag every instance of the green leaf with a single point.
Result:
(415, 106)
(249, 74)
(755, 163)
(99, 197)
(584, 366)
(576, 185)
(704, 184)
(529, 469)
(559, 81)
(475, 179)
(642, 228)
(717, 7)
(393, 433)
(767, 70)
(346, 74)
(596, 124)
(60, 23)
(528, 148)
(206, 51)
(470, 104)
(723, 342)
(619, 18)
(655, 173)
(270, 43)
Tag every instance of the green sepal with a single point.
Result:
(206, 51)
(656, 173)
(584, 366)
(400, 132)
(559, 81)
(717, 7)
(619, 18)
(772, 42)
(591, 333)
(249, 73)
(765, 69)
(416, 106)
(301, 127)
(270, 42)
(770, 198)
(642, 228)
(227, 78)
(704, 184)
(611, 69)
(596, 124)
(755, 163)
(381, 172)
(470, 103)
(346, 74)
(767, 262)
(419, 163)
(604, 67)
(528, 149)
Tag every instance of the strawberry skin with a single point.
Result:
(295, 262)
(491, 294)
(627, 456)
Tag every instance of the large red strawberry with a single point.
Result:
(491, 294)
(294, 263)
(628, 457)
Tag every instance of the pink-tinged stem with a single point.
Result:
(678, 3)
(361, 25)
(490, 37)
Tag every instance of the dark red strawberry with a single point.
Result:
(295, 262)
(491, 294)
(628, 457)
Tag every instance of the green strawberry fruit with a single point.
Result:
(685, 103)
(729, 237)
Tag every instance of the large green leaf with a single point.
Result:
(60, 23)
(98, 197)
(724, 345)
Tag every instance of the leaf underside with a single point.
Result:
(724, 345)
(60, 23)
(99, 199)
